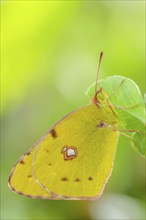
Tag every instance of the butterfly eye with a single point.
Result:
(69, 152)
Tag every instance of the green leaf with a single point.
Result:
(125, 95)
(139, 142)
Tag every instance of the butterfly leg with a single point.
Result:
(127, 136)
(127, 130)
(125, 108)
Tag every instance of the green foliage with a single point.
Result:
(125, 96)
(140, 143)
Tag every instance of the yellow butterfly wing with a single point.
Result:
(73, 160)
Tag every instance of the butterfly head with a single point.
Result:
(100, 97)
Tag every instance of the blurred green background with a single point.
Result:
(50, 52)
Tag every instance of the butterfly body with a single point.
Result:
(74, 159)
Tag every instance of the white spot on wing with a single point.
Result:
(70, 152)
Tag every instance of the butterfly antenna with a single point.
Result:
(100, 58)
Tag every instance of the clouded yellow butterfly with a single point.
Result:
(74, 159)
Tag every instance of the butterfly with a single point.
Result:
(75, 158)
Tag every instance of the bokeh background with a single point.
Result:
(50, 52)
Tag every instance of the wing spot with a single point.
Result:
(102, 125)
(90, 178)
(77, 180)
(49, 164)
(64, 179)
(22, 162)
(28, 153)
(47, 151)
(69, 152)
(53, 133)
(29, 176)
